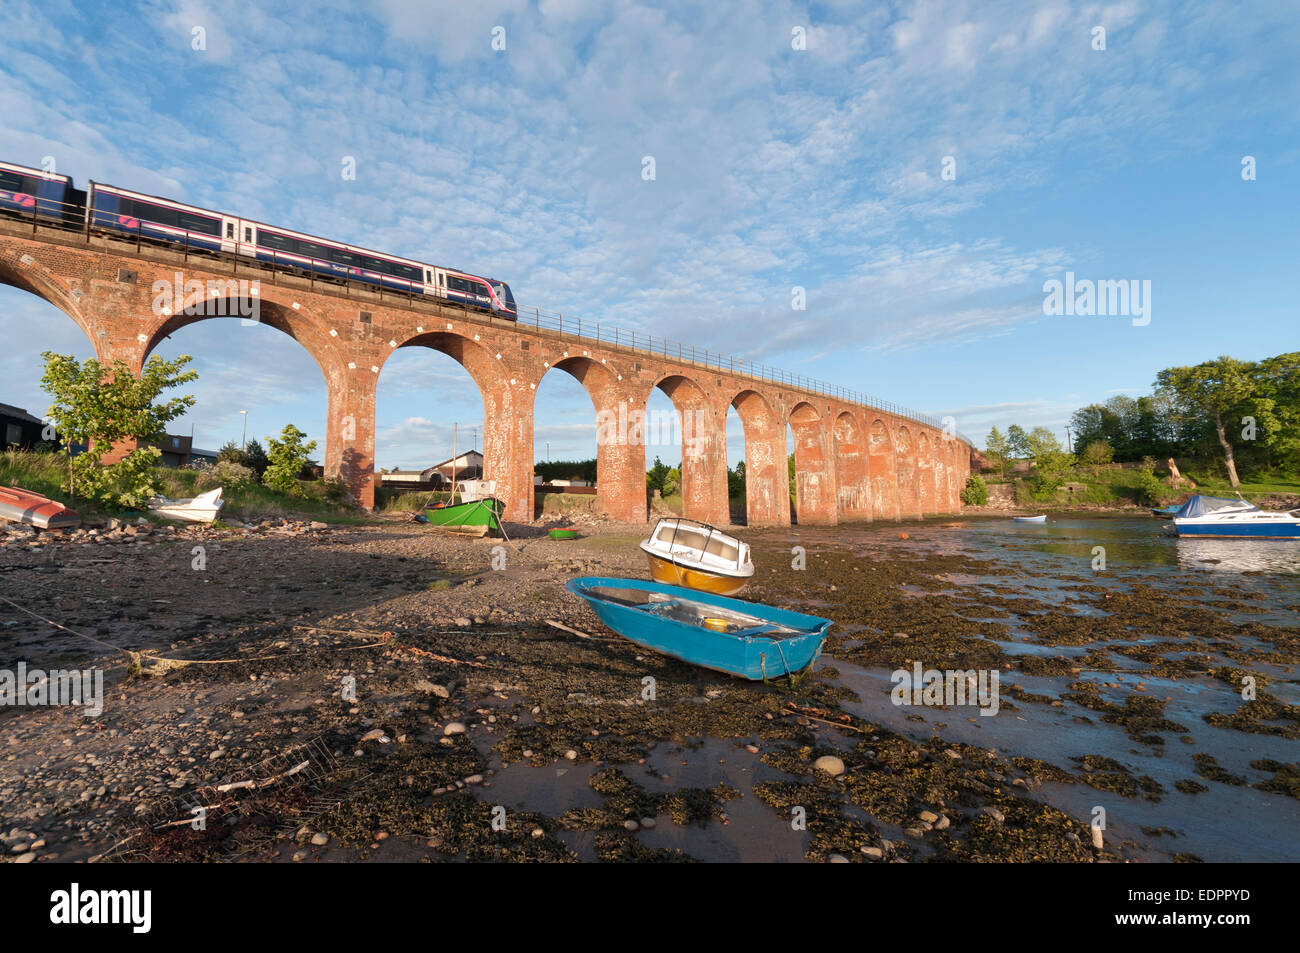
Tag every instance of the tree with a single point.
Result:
(106, 407)
(1018, 443)
(255, 458)
(736, 481)
(995, 445)
(1216, 388)
(657, 475)
(1097, 454)
(1275, 408)
(1051, 461)
(232, 452)
(287, 456)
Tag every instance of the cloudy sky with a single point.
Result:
(793, 145)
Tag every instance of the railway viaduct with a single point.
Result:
(853, 461)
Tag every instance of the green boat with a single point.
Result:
(564, 534)
(475, 518)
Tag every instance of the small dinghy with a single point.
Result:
(200, 509)
(1165, 512)
(1029, 519)
(689, 553)
(747, 639)
(24, 506)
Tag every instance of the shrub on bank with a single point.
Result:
(976, 492)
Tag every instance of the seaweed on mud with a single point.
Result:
(1140, 715)
(624, 800)
(1190, 786)
(1107, 774)
(830, 830)
(1029, 832)
(1285, 780)
(1208, 767)
(1254, 717)
(622, 847)
(1041, 771)
(399, 799)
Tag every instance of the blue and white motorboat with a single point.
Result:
(1217, 516)
(748, 639)
(1029, 519)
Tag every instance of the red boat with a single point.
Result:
(24, 506)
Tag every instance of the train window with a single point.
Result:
(198, 223)
(248, 234)
(230, 229)
(477, 287)
(278, 242)
(408, 272)
(14, 182)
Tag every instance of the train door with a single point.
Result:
(430, 279)
(441, 277)
(229, 234)
(247, 232)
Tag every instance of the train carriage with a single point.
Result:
(152, 218)
(36, 193)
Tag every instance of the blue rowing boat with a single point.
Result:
(748, 639)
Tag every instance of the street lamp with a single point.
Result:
(244, 439)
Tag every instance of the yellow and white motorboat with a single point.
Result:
(689, 553)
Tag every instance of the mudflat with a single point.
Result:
(384, 691)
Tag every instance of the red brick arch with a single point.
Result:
(814, 465)
(852, 467)
(909, 500)
(767, 477)
(882, 466)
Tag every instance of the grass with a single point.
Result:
(1110, 486)
(45, 473)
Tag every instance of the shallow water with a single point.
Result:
(1041, 563)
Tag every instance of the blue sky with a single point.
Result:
(775, 168)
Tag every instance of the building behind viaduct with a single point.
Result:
(854, 460)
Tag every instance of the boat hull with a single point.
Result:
(24, 506)
(751, 657)
(1228, 530)
(674, 574)
(201, 509)
(475, 518)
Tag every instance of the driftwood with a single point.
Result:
(564, 628)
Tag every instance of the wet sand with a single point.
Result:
(1120, 689)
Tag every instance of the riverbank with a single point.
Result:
(444, 715)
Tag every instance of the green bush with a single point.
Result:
(976, 492)
(1150, 489)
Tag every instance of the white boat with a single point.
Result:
(1217, 516)
(473, 490)
(689, 553)
(200, 509)
(1030, 519)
